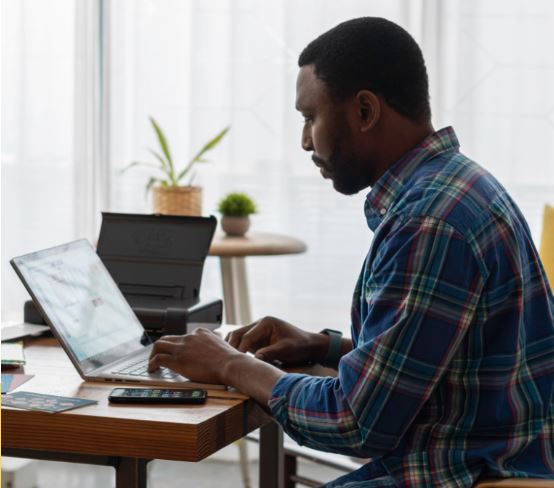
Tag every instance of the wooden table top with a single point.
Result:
(255, 244)
(176, 432)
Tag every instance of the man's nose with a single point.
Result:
(307, 144)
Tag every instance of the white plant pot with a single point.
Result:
(235, 226)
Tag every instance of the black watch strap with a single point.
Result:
(332, 357)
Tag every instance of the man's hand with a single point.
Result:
(200, 356)
(272, 339)
(204, 357)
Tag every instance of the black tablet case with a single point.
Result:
(157, 261)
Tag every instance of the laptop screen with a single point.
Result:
(81, 302)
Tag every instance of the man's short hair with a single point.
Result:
(371, 53)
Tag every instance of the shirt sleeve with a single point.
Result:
(423, 283)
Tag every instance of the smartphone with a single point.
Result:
(156, 395)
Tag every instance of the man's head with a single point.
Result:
(363, 92)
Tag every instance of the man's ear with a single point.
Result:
(369, 109)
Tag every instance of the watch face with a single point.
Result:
(331, 332)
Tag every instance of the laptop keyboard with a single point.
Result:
(140, 368)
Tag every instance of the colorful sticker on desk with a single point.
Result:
(11, 381)
(45, 403)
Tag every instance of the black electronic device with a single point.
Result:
(156, 395)
(157, 262)
(31, 315)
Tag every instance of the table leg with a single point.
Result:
(271, 456)
(235, 290)
(237, 311)
(130, 473)
(290, 469)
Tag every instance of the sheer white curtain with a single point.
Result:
(52, 175)
(493, 80)
(37, 133)
(198, 66)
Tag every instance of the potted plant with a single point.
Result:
(236, 209)
(169, 196)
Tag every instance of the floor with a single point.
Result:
(165, 474)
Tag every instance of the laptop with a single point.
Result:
(90, 317)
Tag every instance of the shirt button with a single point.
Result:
(383, 211)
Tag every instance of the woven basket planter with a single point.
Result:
(180, 200)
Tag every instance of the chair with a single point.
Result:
(515, 483)
(546, 249)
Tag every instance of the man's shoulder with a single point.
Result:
(454, 189)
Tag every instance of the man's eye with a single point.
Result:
(307, 120)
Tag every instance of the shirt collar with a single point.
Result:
(391, 184)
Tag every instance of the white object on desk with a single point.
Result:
(204, 325)
(18, 331)
(18, 473)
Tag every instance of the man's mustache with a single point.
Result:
(318, 161)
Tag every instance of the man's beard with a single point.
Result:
(343, 173)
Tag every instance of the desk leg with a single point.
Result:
(235, 291)
(271, 456)
(130, 472)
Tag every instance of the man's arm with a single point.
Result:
(422, 291)
(272, 339)
(203, 356)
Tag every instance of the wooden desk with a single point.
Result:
(127, 437)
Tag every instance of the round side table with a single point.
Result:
(232, 252)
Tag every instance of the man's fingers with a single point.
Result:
(160, 360)
(275, 352)
(163, 346)
(171, 338)
(256, 337)
(234, 338)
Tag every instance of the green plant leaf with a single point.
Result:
(137, 163)
(165, 149)
(183, 173)
(150, 184)
(237, 205)
(163, 162)
(211, 144)
(198, 158)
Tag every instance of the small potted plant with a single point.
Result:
(236, 208)
(169, 195)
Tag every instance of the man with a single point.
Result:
(449, 375)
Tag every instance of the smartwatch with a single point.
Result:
(332, 357)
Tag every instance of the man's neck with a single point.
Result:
(404, 136)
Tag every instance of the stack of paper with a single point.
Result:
(12, 354)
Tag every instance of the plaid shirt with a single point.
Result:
(451, 376)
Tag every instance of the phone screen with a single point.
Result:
(157, 395)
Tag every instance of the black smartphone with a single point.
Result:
(156, 395)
